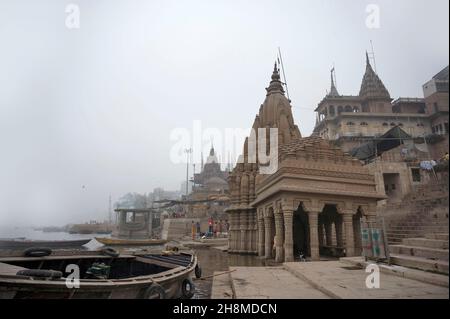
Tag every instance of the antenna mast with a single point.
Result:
(334, 75)
(284, 75)
(373, 57)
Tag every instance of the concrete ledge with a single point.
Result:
(221, 286)
(400, 271)
(337, 279)
(313, 283)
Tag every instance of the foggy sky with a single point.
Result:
(95, 106)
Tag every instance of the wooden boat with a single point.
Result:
(13, 244)
(148, 276)
(129, 242)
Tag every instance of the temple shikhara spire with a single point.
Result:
(371, 85)
(333, 90)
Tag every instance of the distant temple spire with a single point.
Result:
(333, 90)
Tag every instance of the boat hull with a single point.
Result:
(171, 280)
(54, 244)
(129, 242)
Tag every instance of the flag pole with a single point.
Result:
(284, 75)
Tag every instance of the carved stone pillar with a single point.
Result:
(349, 239)
(279, 236)
(268, 236)
(234, 226)
(288, 215)
(230, 231)
(313, 218)
(261, 239)
(357, 234)
(243, 229)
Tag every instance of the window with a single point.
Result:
(400, 124)
(392, 124)
(393, 186)
(331, 110)
(363, 123)
(385, 124)
(422, 109)
(415, 172)
(446, 127)
(350, 123)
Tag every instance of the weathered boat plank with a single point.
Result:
(10, 270)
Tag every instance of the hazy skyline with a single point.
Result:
(95, 106)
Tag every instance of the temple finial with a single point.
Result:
(367, 58)
(332, 79)
(275, 84)
(333, 90)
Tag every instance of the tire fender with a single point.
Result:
(155, 290)
(187, 289)
(37, 252)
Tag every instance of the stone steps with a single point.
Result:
(443, 236)
(425, 242)
(429, 253)
(411, 232)
(420, 275)
(419, 227)
(421, 263)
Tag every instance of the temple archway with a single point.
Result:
(301, 233)
(332, 243)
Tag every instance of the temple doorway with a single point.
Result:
(301, 233)
(331, 240)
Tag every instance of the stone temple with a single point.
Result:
(314, 200)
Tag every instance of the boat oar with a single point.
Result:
(222, 273)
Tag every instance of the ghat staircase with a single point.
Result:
(417, 228)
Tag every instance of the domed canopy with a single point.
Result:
(216, 181)
(212, 158)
